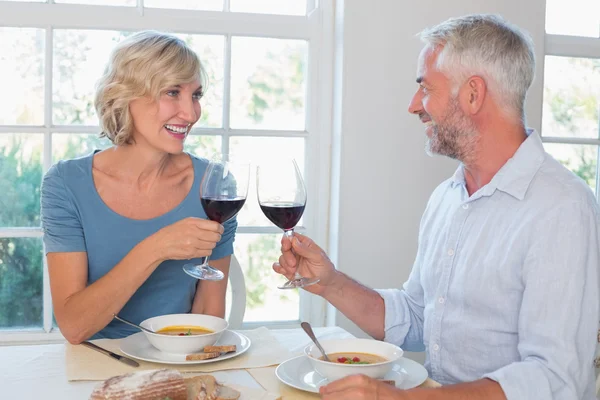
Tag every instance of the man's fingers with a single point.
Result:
(301, 248)
(280, 270)
(348, 383)
(350, 394)
(286, 244)
(283, 262)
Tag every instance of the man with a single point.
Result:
(504, 292)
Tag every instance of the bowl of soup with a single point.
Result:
(369, 357)
(184, 333)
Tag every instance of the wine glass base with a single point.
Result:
(204, 272)
(299, 283)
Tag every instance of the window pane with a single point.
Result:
(268, 78)
(285, 7)
(203, 146)
(573, 17)
(264, 301)
(73, 145)
(210, 5)
(21, 172)
(79, 60)
(257, 149)
(21, 283)
(571, 97)
(100, 2)
(22, 77)
(581, 159)
(211, 51)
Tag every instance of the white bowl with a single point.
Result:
(184, 344)
(334, 370)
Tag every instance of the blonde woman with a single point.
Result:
(120, 223)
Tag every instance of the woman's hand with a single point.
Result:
(185, 239)
(311, 261)
(361, 387)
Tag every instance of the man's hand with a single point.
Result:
(303, 255)
(361, 387)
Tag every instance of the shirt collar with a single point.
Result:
(516, 174)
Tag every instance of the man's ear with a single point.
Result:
(473, 94)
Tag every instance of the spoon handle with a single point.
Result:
(308, 329)
(131, 323)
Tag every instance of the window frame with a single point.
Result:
(316, 27)
(582, 47)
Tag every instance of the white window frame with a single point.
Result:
(316, 27)
(575, 46)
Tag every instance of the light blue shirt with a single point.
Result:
(505, 284)
(76, 219)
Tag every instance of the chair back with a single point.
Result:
(237, 285)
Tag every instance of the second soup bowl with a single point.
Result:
(385, 354)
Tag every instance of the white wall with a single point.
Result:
(385, 177)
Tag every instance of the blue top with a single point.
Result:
(75, 218)
(505, 283)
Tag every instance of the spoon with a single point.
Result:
(132, 324)
(308, 329)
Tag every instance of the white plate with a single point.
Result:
(298, 373)
(137, 346)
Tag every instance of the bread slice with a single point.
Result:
(206, 387)
(220, 349)
(202, 356)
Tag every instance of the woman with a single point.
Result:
(119, 224)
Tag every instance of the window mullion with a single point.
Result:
(47, 163)
(226, 93)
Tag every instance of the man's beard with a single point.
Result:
(455, 136)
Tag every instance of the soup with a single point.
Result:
(184, 330)
(355, 358)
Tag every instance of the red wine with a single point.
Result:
(284, 215)
(221, 210)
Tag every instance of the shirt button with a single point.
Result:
(450, 252)
(436, 347)
(441, 300)
(465, 206)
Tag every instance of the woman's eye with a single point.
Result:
(173, 93)
(198, 95)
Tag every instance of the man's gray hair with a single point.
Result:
(489, 47)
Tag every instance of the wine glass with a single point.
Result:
(282, 198)
(223, 193)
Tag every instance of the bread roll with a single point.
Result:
(143, 385)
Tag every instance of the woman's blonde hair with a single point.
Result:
(143, 64)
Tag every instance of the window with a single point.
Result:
(570, 120)
(266, 61)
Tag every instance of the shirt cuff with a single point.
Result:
(393, 324)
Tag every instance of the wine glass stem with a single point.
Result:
(289, 233)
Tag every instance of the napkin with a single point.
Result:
(268, 380)
(84, 364)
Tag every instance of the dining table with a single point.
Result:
(39, 371)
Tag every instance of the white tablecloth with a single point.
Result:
(38, 371)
